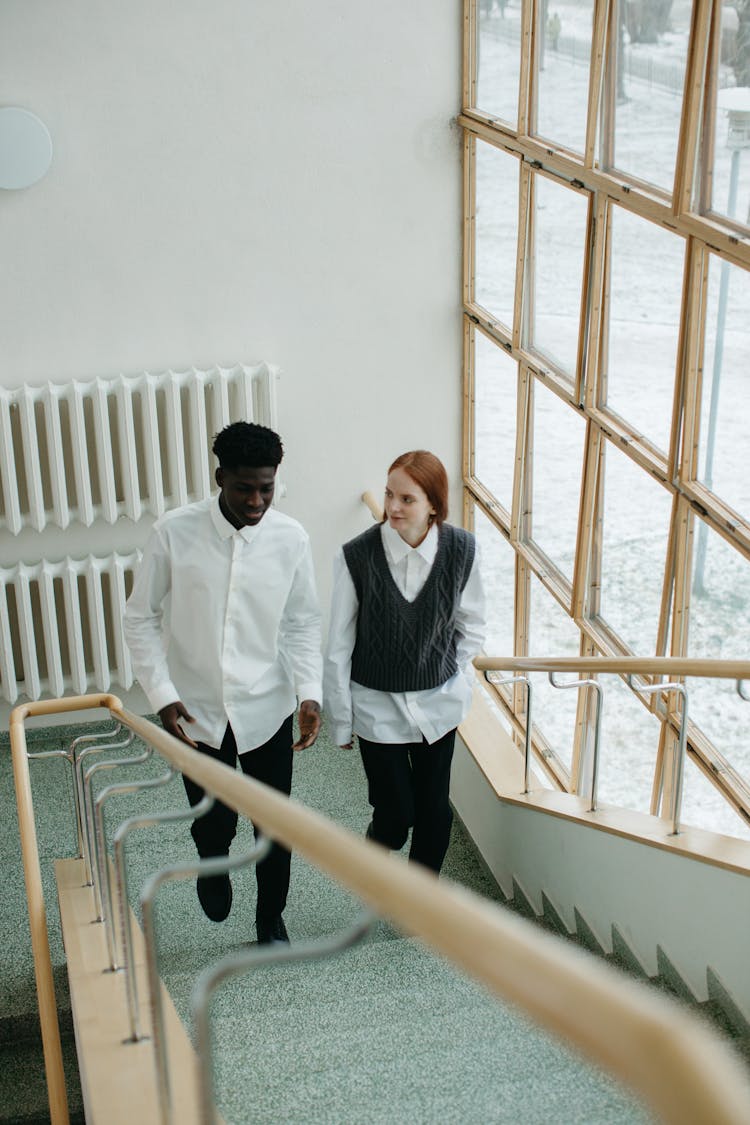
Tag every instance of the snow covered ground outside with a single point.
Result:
(647, 264)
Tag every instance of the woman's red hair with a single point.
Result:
(428, 471)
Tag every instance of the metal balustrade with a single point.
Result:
(688, 1073)
(628, 667)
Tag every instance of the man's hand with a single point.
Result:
(309, 724)
(170, 719)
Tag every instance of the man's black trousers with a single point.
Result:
(214, 832)
(408, 787)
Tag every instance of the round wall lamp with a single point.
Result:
(25, 148)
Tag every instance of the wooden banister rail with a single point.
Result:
(45, 987)
(666, 1055)
(372, 502)
(624, 665)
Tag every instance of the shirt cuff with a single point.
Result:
(341, 735)
(159, 697)
(311, 690)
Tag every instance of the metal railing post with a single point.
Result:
(105, 880)
(121, 876)
(527, 734)
(679, 764)
(241, 961)
(597, 726)
(80, 760)
(93, 843)
(221, 865)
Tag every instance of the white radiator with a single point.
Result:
(123, 446)
(61, 626)
(92, 453)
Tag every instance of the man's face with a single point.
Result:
(246, 494)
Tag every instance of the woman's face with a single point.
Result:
(407, 507)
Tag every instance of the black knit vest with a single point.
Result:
(402, 645)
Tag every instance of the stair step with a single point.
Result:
(586, 935)
(25, 1026)
(388, 1024)
(671, 980)
(718, 993)
(720, 1010)
(23, 1087)
(623, 956)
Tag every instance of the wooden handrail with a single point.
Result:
(45, 986)
(373, 504)
(665, 1054)
(624, 665)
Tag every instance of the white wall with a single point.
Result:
(694, 911)
(247, 180)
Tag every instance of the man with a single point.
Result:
(224, 630)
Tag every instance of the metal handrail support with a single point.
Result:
(219, 865)
(97, 748)
(597, 725)
(679, 765)
(73, 754)
(527, 732)
(742, 694)
(253, 958)
(119, 840)
(94, 864)
(121, 788)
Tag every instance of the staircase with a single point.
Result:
(385, 1032)
(719, 1009)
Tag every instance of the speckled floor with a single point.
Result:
(383, 1033)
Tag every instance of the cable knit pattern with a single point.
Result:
(403, 645)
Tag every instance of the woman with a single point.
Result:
(406, 620)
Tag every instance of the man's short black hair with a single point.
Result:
(247, 444)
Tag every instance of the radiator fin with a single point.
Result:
(88, 653)
(125, 446)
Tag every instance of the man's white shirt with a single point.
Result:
(226, 620)
(399, 717)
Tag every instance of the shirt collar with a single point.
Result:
(226, 530)
(398, 548)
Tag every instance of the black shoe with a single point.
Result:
(215, 895)
(271, 931)
(369, 834)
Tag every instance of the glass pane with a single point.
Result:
(557, 271)
(499, 59)
(497, 559)
(563, 72)
(629, 746)
(496, 230)
(495, 380)
(645, 292)
(644, 99)
(635, 529)
(725, 406)
(704, 807)
(727, 189)
(558, 455)
(719, 628)
(552, 633)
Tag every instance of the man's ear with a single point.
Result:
(219, 476)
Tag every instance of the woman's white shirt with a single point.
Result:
(399, 717)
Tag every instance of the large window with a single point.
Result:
(607, 320)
